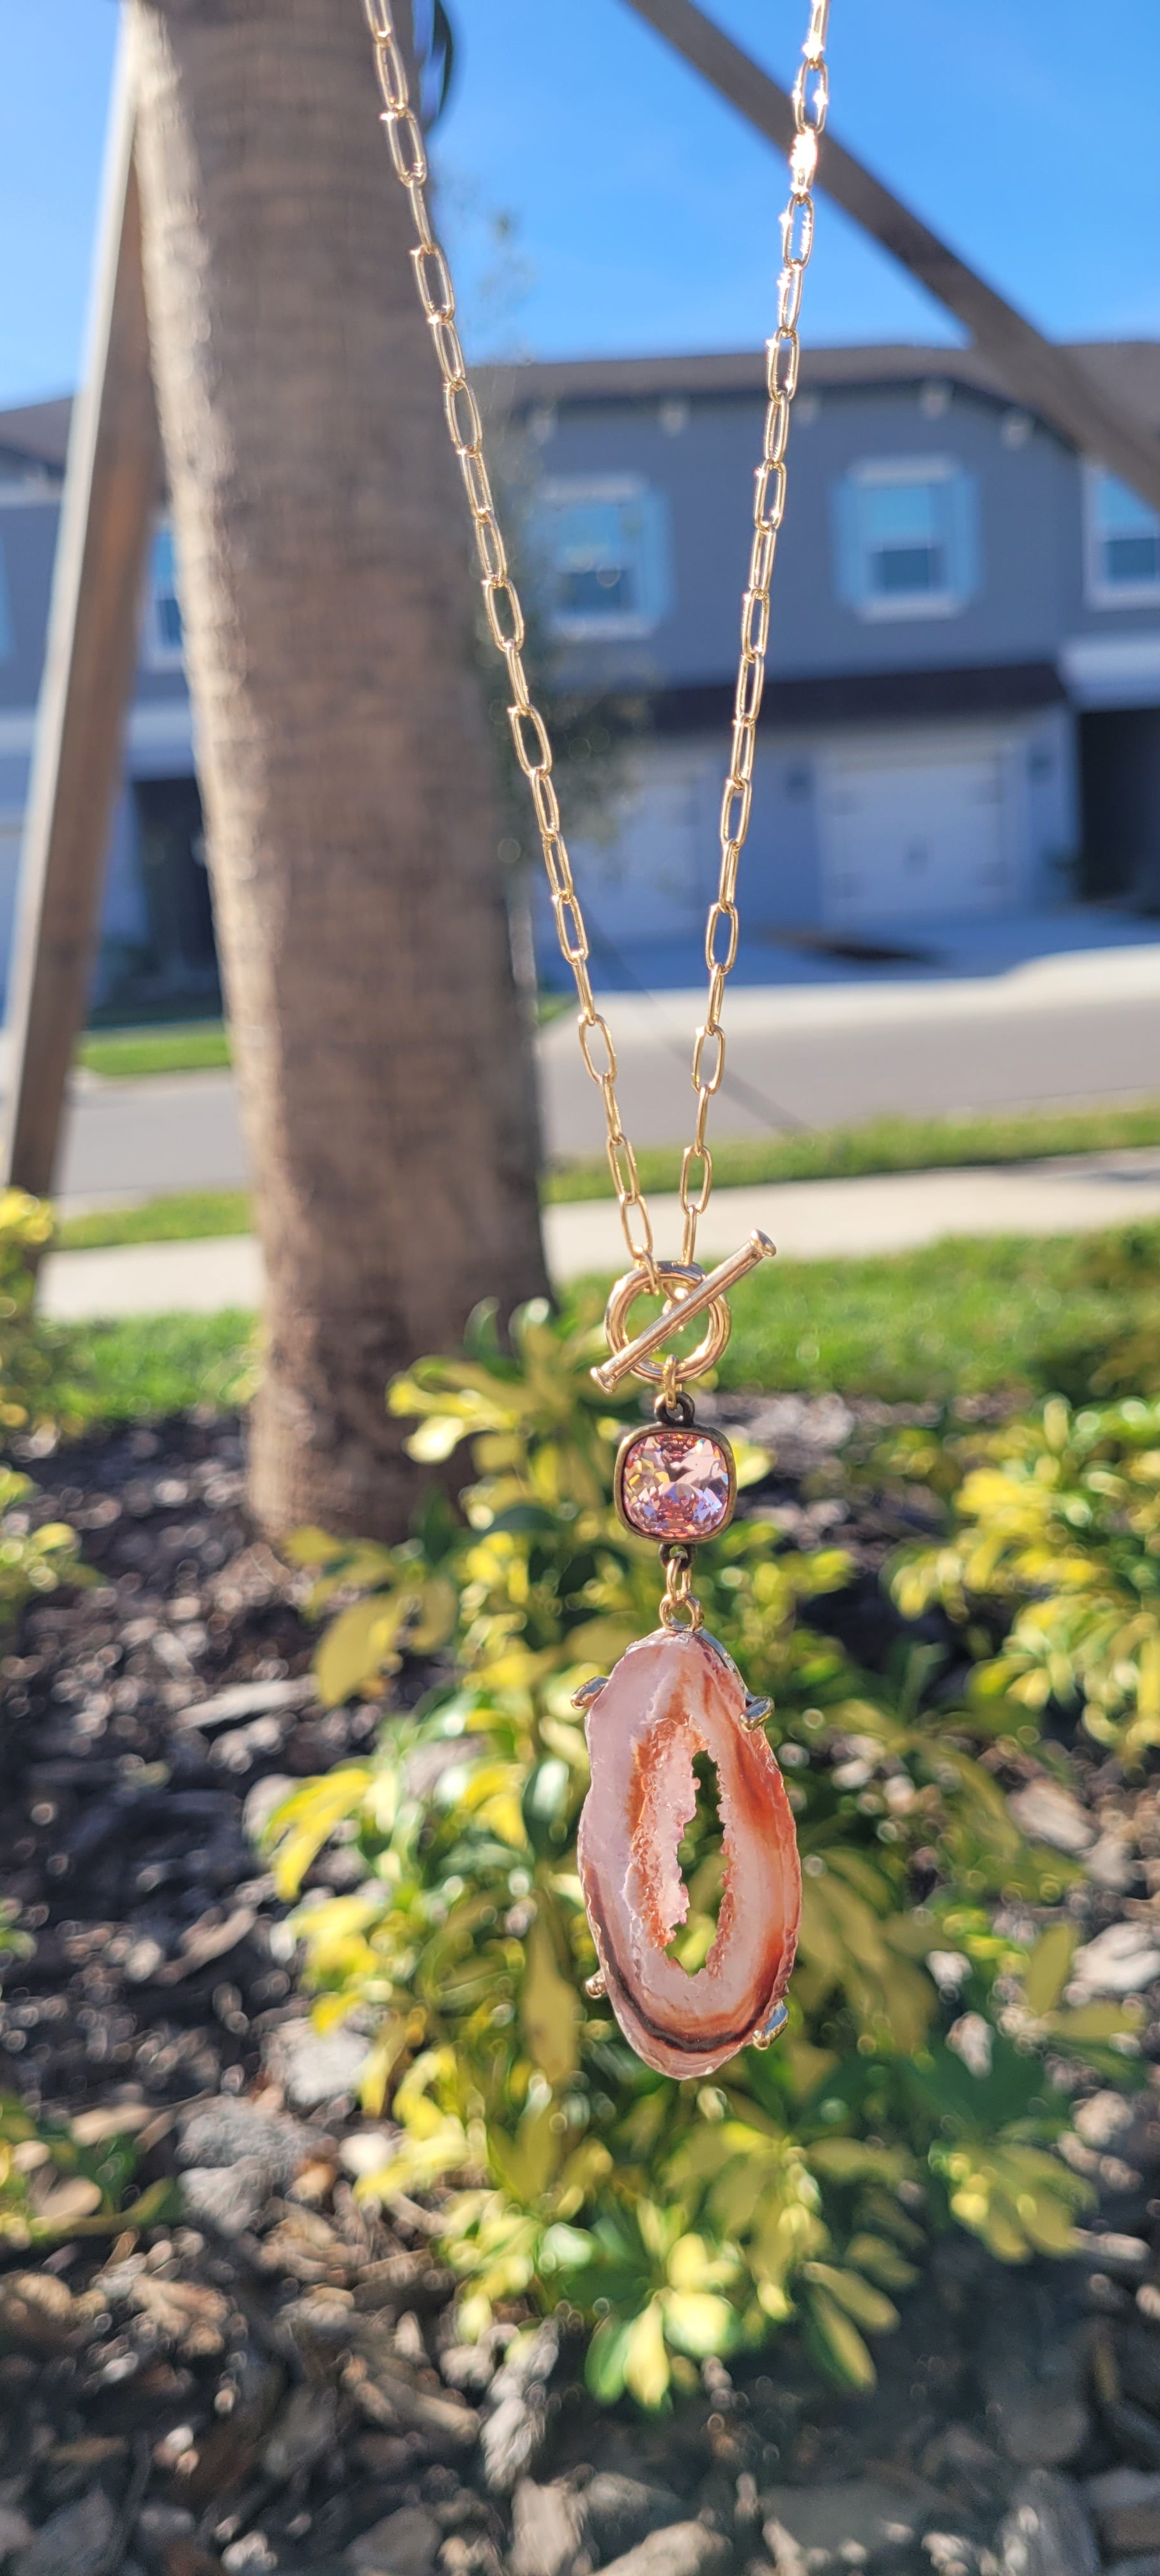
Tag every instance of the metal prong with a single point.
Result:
(777, 2022)
(755, 1710)
(589, 1691)
(595, 1986)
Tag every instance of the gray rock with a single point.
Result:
(513, 2431)
(1049, 1813)
(402, 2544)
(788, 2559)
(1121, 1961)
(547, 2530)
(400, 2404)
(74, 2542)
(1126, 2257)
(217, 2133)
(260, 1802)
(959, 2459)
(1132, 2528)
(618, 2512)
(1121, 2486)
(684, 2549)
(1048, 2531)
(1112, 1863)
(315, 2066)
(1149, 2565)
(229, 2198)
(15, 2530)
(1134, 2433)
(1102, 2119)
(248, 1699)
(303, 2433)
(863, 2513)
(1032, 2373)
(252, 2555)
(951, 2553)
(159, 2525)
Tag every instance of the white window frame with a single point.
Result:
(158, 653)
(557, 491)
(1099, 591)
(872, 473)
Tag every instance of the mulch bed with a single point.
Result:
(273, 2381)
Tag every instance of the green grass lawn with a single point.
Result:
(884, 1145)
(956, 1317)
(145, 1366)
(881, 1145)
(184, 1218)
(199, 1046)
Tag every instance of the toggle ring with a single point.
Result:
(686, 1275)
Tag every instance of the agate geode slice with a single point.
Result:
(671, 1696)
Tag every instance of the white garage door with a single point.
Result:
(910, 840)
(648, 875)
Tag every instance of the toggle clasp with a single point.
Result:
(693, 1292)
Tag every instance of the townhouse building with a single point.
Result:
(962, 713)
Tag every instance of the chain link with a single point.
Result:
(505, 616)
(680, 1607)
(783, 357)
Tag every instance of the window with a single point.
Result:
(6, 636)
(907, 538)
(603, 552)
(164, 634)
(1123, 544)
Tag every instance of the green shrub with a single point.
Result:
(31, 1560)
(62, 2178)
(25, 1229)
(1053, 1536)
(677, 2220)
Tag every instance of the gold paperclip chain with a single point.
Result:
(680, 1607)
(506, 619)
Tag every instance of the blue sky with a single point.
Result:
(642, 212)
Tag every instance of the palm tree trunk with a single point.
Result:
(385, 1066)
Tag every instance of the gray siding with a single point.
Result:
(28, 540)
(1030, 594)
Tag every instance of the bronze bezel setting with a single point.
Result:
(695, 1431)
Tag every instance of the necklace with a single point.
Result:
(677, 1693)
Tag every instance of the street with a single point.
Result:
(1061, 1029)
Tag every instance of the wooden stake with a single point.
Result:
(112, 485)
(1047, 378)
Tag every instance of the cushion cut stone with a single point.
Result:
(675, 1483)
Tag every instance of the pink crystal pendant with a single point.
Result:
(675, 1482)
(671, 1697)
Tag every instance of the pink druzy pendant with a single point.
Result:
(675, 1483)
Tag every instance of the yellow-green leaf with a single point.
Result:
(356, 1644)
(840, 2346)
(607, 2355)
(870, 2307)
(646, 2361)
(549, 2007)
(298, 1829)
(699, 2323)
(1049, 1967)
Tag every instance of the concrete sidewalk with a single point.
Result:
(808, 1220)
